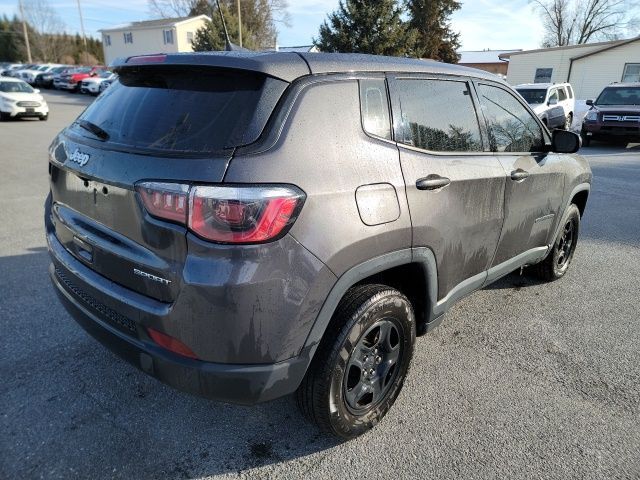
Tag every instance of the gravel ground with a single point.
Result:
(522, 380)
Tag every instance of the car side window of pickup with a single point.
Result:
(562, 94)
(438, 115)
(511, 127)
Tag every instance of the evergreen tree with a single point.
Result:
(366, 26)
(429, 19)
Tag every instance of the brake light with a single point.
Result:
(243, 214)
(146, 59)
(165, 200)
(225, 213)
(171, 344)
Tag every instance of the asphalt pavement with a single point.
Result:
(522, 380)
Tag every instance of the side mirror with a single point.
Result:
(563, 141)
(553, 101)
(589, 102)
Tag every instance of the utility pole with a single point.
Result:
(239, 24)
(24, 31)
(84, 37)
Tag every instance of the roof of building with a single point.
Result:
(604, 46)
(289, 66)
(162, 22)
(483, 56)
(300, 48)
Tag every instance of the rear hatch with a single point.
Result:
(155, 123)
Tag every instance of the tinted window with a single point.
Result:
(553, 95)
(570, 91)
(619, 96)
(543, 75)
(562, 95)
(511, 127)
(375, 108)
(184, 110)
(438, 115)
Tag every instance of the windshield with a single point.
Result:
(619, 96)
(15, 87)
(186, 110)
(533, 96)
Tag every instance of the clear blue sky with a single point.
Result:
(483, 24)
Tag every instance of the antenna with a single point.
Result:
(229, 47)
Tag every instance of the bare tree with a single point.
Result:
(172, 8)
(574, 22)
(47, 24)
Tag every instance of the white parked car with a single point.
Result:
(554, 103)
(93, 84)
(31, 74)
(19, 99)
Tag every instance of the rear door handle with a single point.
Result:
(519, 175)
(432, 182)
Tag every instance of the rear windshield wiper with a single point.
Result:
(95, 129)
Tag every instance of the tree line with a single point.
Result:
(46, 47)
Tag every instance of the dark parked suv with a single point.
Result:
(614, 115)
(246, 226)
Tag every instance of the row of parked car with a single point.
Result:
(84, 79)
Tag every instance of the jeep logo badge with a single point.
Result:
(79, 157)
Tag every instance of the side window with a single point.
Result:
(570, 90)
(553, 94)
(374, 108)
(511, 127)
(438, 115)
(562, 94)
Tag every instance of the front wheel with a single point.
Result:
(557, 261)
(586, 139)
(360, 366)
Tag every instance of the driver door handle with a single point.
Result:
(432, 182)
(519, 175)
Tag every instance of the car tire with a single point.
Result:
(44, 118)
(568, 122)
(557, 261)
(4, 117)
(361, 363)
(586, 140)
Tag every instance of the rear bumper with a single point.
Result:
(240, 384)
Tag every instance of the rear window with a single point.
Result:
(184, 110)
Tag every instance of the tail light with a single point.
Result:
(226, 213)
(165, 200)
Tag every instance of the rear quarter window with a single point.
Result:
(374, 108)
(189, 110)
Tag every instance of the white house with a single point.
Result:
(588, 68)
(168, 35)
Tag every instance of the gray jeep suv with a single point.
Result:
(244, 226)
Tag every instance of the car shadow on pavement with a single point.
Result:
(72, 409)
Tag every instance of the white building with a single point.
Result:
(588, 68)
(169, 35)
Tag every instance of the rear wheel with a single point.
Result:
(360, 366)
(557, 262)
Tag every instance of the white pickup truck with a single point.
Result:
(554, 103)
